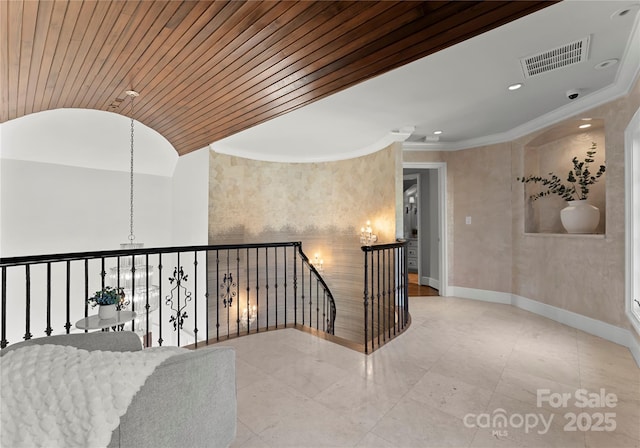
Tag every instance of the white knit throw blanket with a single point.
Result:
(61, 396)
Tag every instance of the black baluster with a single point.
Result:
(27, 332)
(383, 263)
(218, 296)
(366, 301)
(179, 280)
(160, 299)
(295, 287)
(48, 330)
(147, 336)
(276, 286)
(247, 255)
(67, 325)
(310, 297)
(266, 260)
(257, 292)
(4, 342)
(195, 300)
(372, 297)
(206, 295)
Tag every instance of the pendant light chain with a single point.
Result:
(132, 237)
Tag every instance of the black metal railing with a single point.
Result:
(202, 294)
(386, 296)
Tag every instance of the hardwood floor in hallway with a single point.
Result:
(416, 290)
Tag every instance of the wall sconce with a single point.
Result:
(318, 263)
(366, 235)
(411, 206)
(250, 317)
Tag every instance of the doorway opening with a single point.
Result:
(424, 227)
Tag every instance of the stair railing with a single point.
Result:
(386, 295)
(180, 295)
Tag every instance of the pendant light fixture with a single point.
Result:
(133, 274)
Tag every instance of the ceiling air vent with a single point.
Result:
(556, 58)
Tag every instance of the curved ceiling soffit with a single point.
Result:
(87, 138)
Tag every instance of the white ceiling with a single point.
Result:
(462, 91)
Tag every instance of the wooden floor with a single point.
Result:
(416, 290)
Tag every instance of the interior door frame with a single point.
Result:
(443, 257)
(416, 177)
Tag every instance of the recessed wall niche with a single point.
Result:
(552, 152)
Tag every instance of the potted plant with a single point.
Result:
(579, 216)
(108, 300)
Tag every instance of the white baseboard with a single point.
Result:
(428, 281)
(612, 333)
(480, 294)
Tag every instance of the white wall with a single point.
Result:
(65, 183)
(49, 208)
(84, 206)
(190, 192)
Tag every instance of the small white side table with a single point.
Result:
(95, 323)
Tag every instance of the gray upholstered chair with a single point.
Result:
(189, 401)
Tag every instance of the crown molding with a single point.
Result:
(626, 78)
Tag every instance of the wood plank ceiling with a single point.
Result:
(208, 69)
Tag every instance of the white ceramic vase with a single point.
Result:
(107, 311)
(580, 217)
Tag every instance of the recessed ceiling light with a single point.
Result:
(437, 132)
(514, 86)
(586, 119)
(584, 126)
(605, 64)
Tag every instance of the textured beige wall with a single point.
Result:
(583, 274)
(580, 273)
(324, 205)
(479, 179)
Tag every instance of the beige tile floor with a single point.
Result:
(459, 365)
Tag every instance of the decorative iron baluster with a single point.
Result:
(228, 289)
(179, 315)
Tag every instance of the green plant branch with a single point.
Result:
(580, 174)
